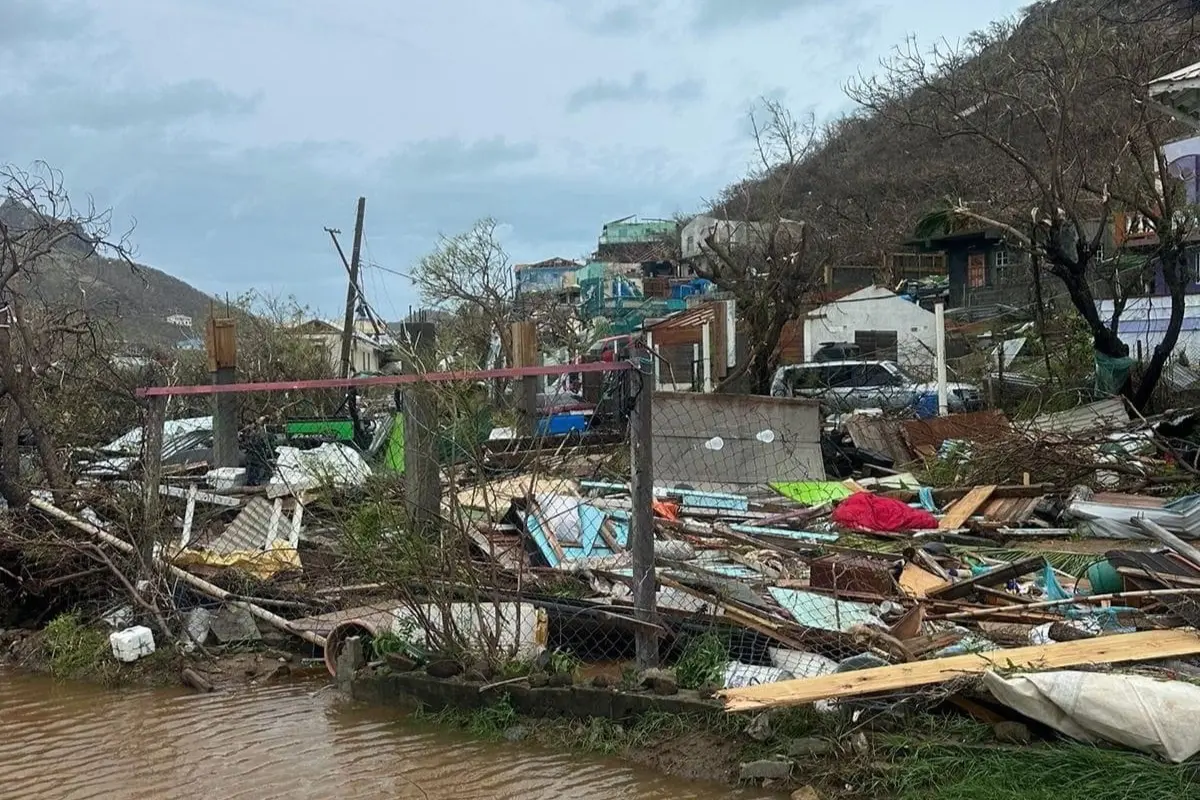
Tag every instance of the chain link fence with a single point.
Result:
(565, 521)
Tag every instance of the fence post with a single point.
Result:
(222, 365)
(939, 327)
(641, 531)
(422, 475)
(152, 456)
(525, 354)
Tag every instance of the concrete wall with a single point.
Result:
(878, 309)
(727, 442)
(412, 689)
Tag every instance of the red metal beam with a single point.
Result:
(382, 380)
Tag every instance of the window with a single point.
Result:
(976, 270)
(808, 379)
(874, 375)
(840, 377)
(1002, 261)
(1193, 262)
(876, 345)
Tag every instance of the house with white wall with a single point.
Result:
(886, 327)
(366, 353)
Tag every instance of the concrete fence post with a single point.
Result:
(422, 470)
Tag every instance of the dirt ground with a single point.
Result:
(224, 670)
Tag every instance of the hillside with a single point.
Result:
(871, 176)
(135, 300)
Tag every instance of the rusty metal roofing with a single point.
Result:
(977, 426)
(692, 318)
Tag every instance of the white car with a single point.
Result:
(849, 385)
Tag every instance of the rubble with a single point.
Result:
(856, 593)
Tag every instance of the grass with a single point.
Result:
(1059, 772)
(702, 662)
(492, 721)
(923, 756)
(75, 651)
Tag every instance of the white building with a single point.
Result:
(731, 233)
(1178, 94)
(884, 325)
(1144, 321)
(182, 320)
(365, 352)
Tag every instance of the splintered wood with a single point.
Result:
(1102, 650)
(965, 508)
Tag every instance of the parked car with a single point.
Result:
(849, 385)
(610, 348)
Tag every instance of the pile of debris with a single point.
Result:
(995, 596)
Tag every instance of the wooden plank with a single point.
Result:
(916, 581)
(609, 536)
(1102, 650)
(192, 492)
(962, 511)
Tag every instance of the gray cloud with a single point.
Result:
(450, 158)
(27, 22)
(618, 19)
(228, 220)
(636, 90)
(622, 20)
(431, 154)
(713, 16)
(49, 101)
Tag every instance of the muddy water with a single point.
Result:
(72, 742)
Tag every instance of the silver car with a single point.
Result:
(849, 385)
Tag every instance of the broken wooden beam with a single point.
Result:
(964, 509)
(999, 575)
(898, 677)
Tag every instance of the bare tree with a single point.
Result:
(42, 340)
(758, 252)
(471, 276)
(1053, 109)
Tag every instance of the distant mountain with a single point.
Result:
(148, 307)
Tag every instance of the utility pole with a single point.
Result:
(352, 290)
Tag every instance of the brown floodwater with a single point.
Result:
(66, 741)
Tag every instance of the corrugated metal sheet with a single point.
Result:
(818, 611)
(248, 531)
(879, 435)
(1098, 416)
(692, 318)
(977, 426)
(178, 435)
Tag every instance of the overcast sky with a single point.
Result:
(233, 131)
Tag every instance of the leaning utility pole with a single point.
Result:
(352, 291)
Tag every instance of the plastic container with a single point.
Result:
(132, 643)
(1104, 579)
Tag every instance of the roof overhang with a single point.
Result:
(1178, 94)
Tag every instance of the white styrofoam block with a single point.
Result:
(132, 643)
